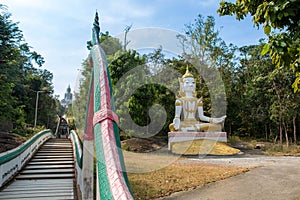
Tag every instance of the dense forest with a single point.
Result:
(21, 77)
(260, 100)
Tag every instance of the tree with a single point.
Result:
(122, 62)
(110, 44)
(210, 59)
(10, 36)
(280, 20)
(79, 106)
(127, 71)
(267, 107)
(126, 31)
(252, 87)
(19, 78)
(140, 95)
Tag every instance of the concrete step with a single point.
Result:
(31, 167)
(58, 162)
(44, 176)
(47, 171)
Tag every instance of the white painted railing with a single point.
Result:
(12, 161)
(77, 151)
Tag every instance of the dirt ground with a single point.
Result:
(270, 177)
(144, 145)
(9, 141)
(155, 172)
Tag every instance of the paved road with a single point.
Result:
(276, 178)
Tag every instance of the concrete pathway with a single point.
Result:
(276, 178)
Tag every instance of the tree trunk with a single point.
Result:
(280, 133)
(295, 130)
(266, 131)
(286, 134)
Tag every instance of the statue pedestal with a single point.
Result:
(190, 136)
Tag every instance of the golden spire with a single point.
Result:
(187, 73)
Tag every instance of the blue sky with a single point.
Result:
(59, 29)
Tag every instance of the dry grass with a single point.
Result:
(153, 176)
(177, 177)
(146, 162)
(282, 150)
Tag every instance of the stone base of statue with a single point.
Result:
(190, 136)
(192, 143)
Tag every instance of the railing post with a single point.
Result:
(88, 150)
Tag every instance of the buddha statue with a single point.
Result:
(189, 115)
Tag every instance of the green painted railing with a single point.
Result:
(77, 145)
(77, 152)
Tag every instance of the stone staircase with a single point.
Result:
(48, 175)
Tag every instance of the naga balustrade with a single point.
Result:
(101, 134)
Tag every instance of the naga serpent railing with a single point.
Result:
(101, 130)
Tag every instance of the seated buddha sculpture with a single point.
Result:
(189, 114)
